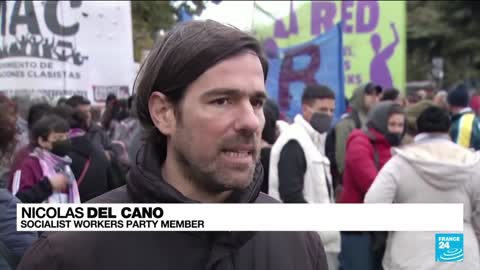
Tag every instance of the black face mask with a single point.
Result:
(394, 139)
(61, 148)
(321, 122)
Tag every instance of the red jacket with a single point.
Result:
(31, 173)
(360, 169)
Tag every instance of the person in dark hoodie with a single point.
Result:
(367, 151)
(13, 243)
(89, 164)
(95, 133)
(200, 96)
(269, 135)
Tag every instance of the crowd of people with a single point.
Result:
(202, 129)
(385, 149)
(60, 154)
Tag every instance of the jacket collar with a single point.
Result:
(463, 111)
(317, 138)
(425, 137)
(308, 128)
(145, 183)
(376, 136)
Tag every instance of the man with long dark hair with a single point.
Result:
(200, 97)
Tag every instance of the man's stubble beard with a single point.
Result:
(208, 177)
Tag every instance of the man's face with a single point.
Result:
(86, 109)
(324, 105)
(217, 135)
(370, 99)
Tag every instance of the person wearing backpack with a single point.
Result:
(363, 99)
(465, 129)
(367, 151)
(431, 170)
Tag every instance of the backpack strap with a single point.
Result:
(356, 118)
(84, 171)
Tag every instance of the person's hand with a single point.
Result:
(392, 25)
(59, 182)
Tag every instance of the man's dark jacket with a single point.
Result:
(174, 250)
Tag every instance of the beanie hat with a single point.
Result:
(379, 115)
(458, 96)
(433, 119)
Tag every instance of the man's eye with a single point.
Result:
(258, 103)
(221, 101)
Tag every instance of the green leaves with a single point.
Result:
(447, 29)
(149, 17)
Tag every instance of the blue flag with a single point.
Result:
(319, 61)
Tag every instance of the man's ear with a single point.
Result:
(162, 113)
(306, 112)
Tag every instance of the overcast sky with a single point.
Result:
(240, 13)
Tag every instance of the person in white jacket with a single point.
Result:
(431, 170)
(299, 170)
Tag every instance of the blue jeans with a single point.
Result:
(355, 251)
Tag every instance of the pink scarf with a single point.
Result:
(50, 164)
(76, 132)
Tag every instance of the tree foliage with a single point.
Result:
(447, 29)
(149, 17)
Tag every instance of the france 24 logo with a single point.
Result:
(449, 247)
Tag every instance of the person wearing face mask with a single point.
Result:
(433, 169)
(45, 175)
(367, 151)
(299, 169)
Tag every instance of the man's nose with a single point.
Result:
(249, 119)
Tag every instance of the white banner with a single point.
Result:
(64, 48)
(240, 217)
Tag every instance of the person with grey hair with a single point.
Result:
(201, 93)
